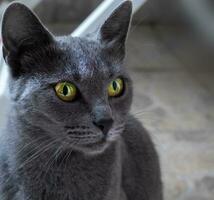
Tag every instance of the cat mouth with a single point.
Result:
(84, 136)
(90, 142)
(86, 142)
(78, 136)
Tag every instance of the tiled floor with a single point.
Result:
(174, 98)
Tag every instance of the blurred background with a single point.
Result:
(171, 60)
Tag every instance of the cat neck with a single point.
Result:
(79, 171)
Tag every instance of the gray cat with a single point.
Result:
(69, 134)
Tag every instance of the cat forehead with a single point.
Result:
(85, 59)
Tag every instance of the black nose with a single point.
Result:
(104, 124)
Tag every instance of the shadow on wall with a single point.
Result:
(65, 11)
(60, 14)
(156, 11)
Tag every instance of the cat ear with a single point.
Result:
(114, 31)
(21, 30)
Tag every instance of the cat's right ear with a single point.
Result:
(22, 30)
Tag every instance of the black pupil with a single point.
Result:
(65, 90)
(114, 84)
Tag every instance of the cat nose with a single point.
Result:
(104, 124)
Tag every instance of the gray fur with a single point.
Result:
(51, 150)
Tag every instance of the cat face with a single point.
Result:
(75, 90)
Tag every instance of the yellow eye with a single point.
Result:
(116, 87)
(66, 91)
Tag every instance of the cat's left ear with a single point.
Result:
(113, 32)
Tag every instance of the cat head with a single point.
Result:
(74, 90)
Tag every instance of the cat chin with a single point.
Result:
(92, 150)
(96, 148)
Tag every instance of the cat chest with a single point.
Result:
(72, 183)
